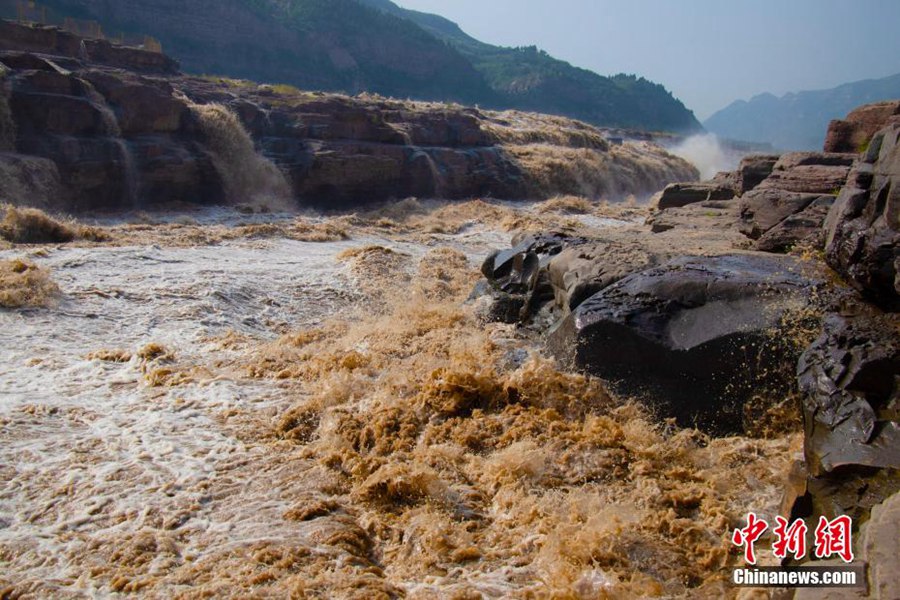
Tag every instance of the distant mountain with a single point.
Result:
(376, 46)
(798, 121)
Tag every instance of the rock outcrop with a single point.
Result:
(695, 337)
(780, 219)
(53, 41)
(517, 280)
(753, 170)
(809, 172)
(681, 194)
(849, 379)
(854, 132)
(782, 200)
(863, 226)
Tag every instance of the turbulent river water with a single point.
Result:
(284, 406)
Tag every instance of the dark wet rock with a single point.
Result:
(863, 228)
(518, 281)
(855, 131)
(93, 170)
(499, 265)
(849, 378)
(809, 172)
(681, 194)
(852, 491)
(38, 113)
(753, 170)
(496, 306)
(174, 170)
(694, 337)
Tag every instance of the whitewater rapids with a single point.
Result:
(263, 416)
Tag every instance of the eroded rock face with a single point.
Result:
(851, 401)
(696, 337)
(809, 172)
(863, 227)
(782, 201)
(54, 41)
(753, 170)
(801, 227)
(853, 133)
(778, 220)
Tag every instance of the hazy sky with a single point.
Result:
(707, 52)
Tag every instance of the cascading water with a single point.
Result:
(130, 174)
(247, 175)
(419, 153)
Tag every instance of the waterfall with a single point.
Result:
(130, 172)
(418, 151)
(247, 175)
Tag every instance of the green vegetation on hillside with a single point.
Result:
(530, 79)
(373, 45)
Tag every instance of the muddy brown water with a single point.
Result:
(218, 408)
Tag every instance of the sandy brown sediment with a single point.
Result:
(26, 285)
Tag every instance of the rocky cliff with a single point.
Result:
(89, 125)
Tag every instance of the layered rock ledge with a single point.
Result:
(89, 125)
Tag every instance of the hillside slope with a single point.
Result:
(798, 121)
(366, 45)
(530, 79)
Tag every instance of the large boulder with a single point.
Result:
(695, 337)
(853, 133)
(863, 227)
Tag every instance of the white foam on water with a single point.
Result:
(89, 452)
